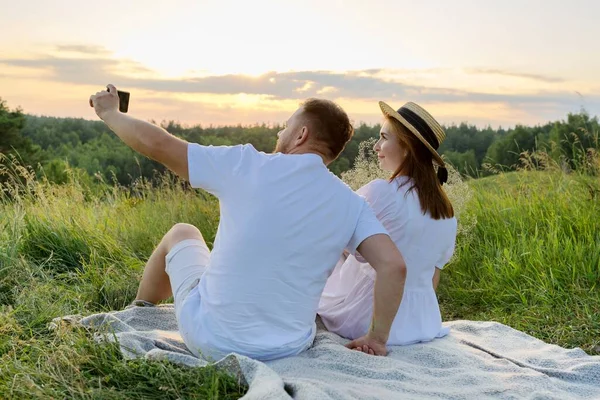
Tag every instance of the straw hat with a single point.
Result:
(421, 124)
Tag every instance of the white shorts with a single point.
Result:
(186, 262)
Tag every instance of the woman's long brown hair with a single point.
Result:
(418, 165)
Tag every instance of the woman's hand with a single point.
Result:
(368, 345)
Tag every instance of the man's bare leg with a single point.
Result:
(155, 285)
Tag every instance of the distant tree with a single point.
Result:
(12, 140)
(462, 138)
(506, 151)
(90, 146)
(465, 163)
(340, 165)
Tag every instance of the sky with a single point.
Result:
(224, 62)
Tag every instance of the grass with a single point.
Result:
(65, 250)
(532, 262)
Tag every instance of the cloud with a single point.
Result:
(83, 49)
(284, 85)
(79, 70)
(96, 67)
(535, 77)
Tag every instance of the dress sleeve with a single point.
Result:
(380, 198)
(447, 255)
(367, 226)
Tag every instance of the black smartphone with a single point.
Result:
(123, 100)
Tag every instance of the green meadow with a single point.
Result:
(531, 261)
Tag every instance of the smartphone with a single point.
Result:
(123, 100)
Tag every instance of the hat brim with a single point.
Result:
(390, 112)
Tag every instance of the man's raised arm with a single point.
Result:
(390, 268)
(148, 139)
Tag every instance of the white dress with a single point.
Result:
(346, 305)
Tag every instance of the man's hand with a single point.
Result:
(368, 345)
(104, 102)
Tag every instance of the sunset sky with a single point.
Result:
(228, 62)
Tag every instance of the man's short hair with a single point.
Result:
(330, 123)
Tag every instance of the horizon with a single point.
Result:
(500, 65)
(275, 124)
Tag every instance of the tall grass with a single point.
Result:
(77, 249)
(534, 259)
(531, 261)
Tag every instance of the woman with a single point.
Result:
(419, 218)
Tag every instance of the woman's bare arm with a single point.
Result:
(436, 278)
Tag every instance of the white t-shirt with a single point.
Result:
(346, 306)
(285, 220)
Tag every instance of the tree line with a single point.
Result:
(54, 146)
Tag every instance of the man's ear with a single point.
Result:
(302, 136)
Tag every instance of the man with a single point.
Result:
(285, 220)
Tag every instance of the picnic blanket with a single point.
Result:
(478, 360)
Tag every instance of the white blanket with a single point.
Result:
(478, 360)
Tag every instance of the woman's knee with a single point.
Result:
(180, 232)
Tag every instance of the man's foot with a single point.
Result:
(141, 303)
